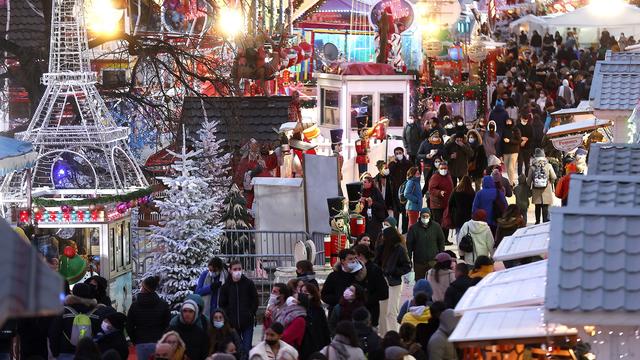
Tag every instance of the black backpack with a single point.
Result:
(403, 200)
(466, 243)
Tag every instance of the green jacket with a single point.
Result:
(425, 242)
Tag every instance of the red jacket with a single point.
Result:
(439, 183)
(294, 333)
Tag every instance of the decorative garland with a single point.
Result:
(455, 93)
(482, 99)
(308, 104)
(99, 200)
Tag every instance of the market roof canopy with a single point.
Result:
(504, 323)
(519, 286)
(525, 242)
(15, 155)
(529, 19)
(28, 286)
(578, 126)
(598, 15)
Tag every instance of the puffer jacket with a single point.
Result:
(148, 317)
(482, 239)
(542, 196)
(413, 194)
(439, 347)
(484, 199)
(477, 161)
(417, 315)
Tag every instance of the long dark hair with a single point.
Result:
(390, 237)
(314, 294)
(218, 335)
(346, 329)
(445, 265)
(464, 186)
(347, 308)
(512, 211)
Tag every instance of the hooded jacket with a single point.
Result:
(337, 281)
(413, 194)
(148, 317)
(424, 242)
(240, 301)
(439, 346)
(485, 198)
(61, 326)
(478, 160)
(422, 285)
(339, 349)
(196, 339)
(437, 184)
(500, 116)
(445, 278)
(491, 141)
(522, 192)
(512, 133)
(456, 290)
(482, 239)
(412, 137)
(209, 288)
(417, 315)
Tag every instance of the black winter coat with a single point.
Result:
(373, 225)
(412, 136)
(396, 265)
(60, 328)
(460, 205)
(195, 339)
(370, 342)
(337, 281)
(377, 290)
(455, 291)
(526, 131)
(239, 300)
(33, 336)
(513, 134)
(115, 341)
(147, 318)
(317, 334)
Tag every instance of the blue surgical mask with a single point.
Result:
(218, 324)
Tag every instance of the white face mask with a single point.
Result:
(443, 172)
(236, 275)
(524, 122)
(354, 266)
(472, 141)
(218, 324)
(399, 157)
(292, 301)
(106, 327)
(410, 120)
(425, 221)
(273, 299)
(385, 172)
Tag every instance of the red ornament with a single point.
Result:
(94, 215)
(69, 252)
(437, 98)
(66, 216)
(53, 215)
(469, 94)
(24, 216)
(80, 215)
(38, 216)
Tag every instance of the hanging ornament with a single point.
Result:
(477, 51)
(69, 251)
(122, 208)
(65, 208)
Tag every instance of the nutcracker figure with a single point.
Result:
(336, 148)
(339, 238)
(362, 151)
(357, 222)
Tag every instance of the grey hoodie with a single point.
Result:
(439, 347)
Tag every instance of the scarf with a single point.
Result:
(289, 313)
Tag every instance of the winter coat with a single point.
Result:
(261, 351)
(196, 340)
(294, 332)
(460, 205)
(114, 340)
(337, 281)
(526, 131)
(562, 188)
(209, 290)
(377, 290)
(33, 336)
(339, 349)
(445, 278)
(369, 339)
(536, 40)
(425, 149)
(512, 146)
(424, 242)
(397, 264)
(485, 198)
(456, 290)
(491, 143)
(412, 136)
(459, 166)
(417, 315)
(239, 300)
(318, 330)
(147, 318)
(507, 226)
(522, 192)
(422, 285)
(542, 196)
(378, 212)
(413, 194)
(482, 239)
(437, 184)
(439, 347)
(398, 174)
(61, 326)
(383, 184)
(500, 116)
(477, 161)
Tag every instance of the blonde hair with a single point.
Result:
(178, 354)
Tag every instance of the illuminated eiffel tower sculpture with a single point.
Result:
(82, 153)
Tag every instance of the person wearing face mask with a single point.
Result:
(148, 317)
(346, 272)
(112, 336)
(499, 115)
(382, 182)
(526, 148)
(440, 189)
(413, 195)
(195, 338)
(425, 240)
(317, 333)
(373, 207)
(491, 140)
(293, 318)
(220, 331)
(458, 152)
(209, 284)
(353, 297)
(478, 160)
(398, 168)
(239, 299)
(542, 100)
(412, 136)
(375, 282)
(394, 261)
(512, 140)
(279, 294)
(273, 348)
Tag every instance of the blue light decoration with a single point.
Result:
(142, 132)
(456, 53)
(61, 172)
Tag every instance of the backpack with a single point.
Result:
(466, 243)
(540, 175)
(403, 200)
(81, 327)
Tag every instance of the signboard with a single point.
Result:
(401, 10)
(439, 13)
(567, 143)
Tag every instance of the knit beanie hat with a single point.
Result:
(83, 290)
(425, 210)
(117, 320)
(422, 285)
(190, 304)
(392, 221)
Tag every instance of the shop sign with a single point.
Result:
(567, 143)
(401, 10)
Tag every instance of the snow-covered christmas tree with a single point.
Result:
(186, 239)
(236, 217)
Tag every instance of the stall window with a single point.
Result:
(391, 106)
(112, 249)
(118, 254)
(361, 111)
(127, 244)
(330, 110)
